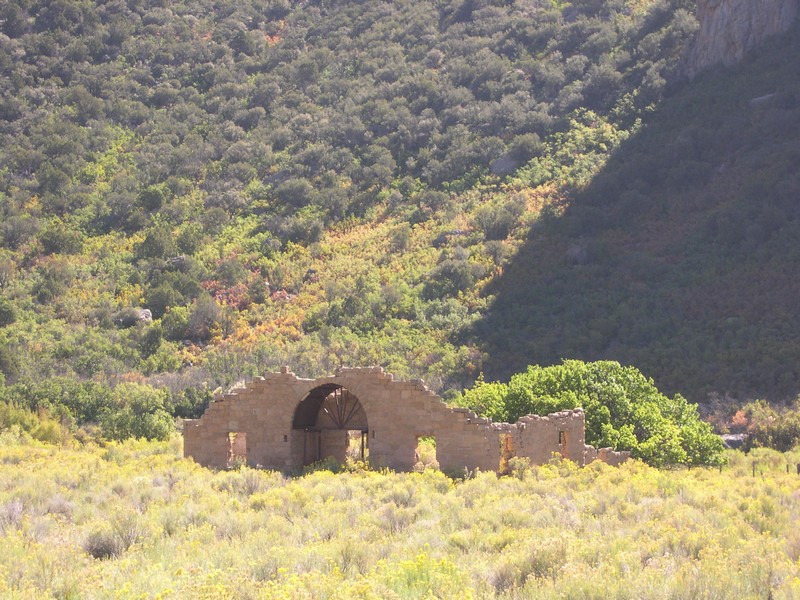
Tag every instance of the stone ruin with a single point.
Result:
(283, 422)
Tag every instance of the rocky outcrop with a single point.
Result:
(729, 28)
(128, 317)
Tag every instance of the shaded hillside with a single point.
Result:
(682, 255)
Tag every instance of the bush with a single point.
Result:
(158, 243)
(497, 220)
(40, 427)
(59, 238)
(110, 540)
(152, 197)
(191, 402)
(768, 427)
(73, 400)
(162, 298)
(53, 281)
(139, 411)
(17, 230)
(102, 544)
(9, 363)
(204, 319)
(449, 277)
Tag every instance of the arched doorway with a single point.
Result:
(332, 422)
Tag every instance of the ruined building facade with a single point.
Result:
(283, 422)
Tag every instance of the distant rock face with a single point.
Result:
(729, 28)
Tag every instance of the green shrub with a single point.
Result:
(191, 402)
(8, 312)
(768, 427)
(9, 363)
(138, 411)
(158, 243)
(73, 400)
(60, 238)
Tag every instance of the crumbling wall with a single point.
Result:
(464, 440)
(612, 457)
(263, 411)
(538, 437)
(395, 414)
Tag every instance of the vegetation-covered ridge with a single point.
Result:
(311, 184)
(135, 520)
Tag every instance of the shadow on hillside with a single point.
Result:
(682, 256)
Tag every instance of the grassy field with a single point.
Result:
(135, 520)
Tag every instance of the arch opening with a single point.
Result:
(330, 420)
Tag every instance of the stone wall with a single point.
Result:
(273, 414)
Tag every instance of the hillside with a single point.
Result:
(327, 183)
(680, 256)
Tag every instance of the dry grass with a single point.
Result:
(136, 520)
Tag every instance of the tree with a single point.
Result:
(158, 243)
(9, 363)
(8, 313)
(59, 238)
(624, 410)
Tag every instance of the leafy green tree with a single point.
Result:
(16, 230)
(769, 427)
(152, 197)
(80, 402)
(53, 281)
(624, 410)
(163, 297)
(59, 237)
(9, 363)
(487, 399)
(192, 402)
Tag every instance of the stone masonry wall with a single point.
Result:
(398, 413)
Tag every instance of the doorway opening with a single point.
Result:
(506, 453)
(357, 445)
(425, 453)
(334, 425)
(237, 449)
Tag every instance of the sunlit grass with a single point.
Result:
(137, 520)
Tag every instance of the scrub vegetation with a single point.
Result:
(133, 519)
(195, 192)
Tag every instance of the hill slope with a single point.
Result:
(345, 183)
(681, 256)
